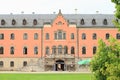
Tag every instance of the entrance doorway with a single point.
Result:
(59, 65)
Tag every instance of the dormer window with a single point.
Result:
(94, 22)
(24, 22)
(105, 22)
(82, 22)
(34, 22)
(13, 22)
(2, 22)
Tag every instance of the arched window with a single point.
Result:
(1, 50)
(25, 50)
(24, 63)
(107, 35)
(59, 23)
(12, 64)
(60, 49)
(1, 63)
(82, 22)
(47, 36)
(35, 36)
(25, 36)
(83, 36)
(64, 35)
(13, 22)
(93, 21)
(54, 50)
(94, 49)
(105, 21)
(36, 50)
(72, 50)
(65, 49)
(47, 50)
(94, 36)
(118, 36)
(83, 50)
(2, 22)
(11, 50)
(24, 22)
(34, 22)
(60, 35)
(55, 36)
(72, 35)
(12, 36)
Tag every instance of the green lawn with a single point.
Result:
(38, 76)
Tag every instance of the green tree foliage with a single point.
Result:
(105, 65)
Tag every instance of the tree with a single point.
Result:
(105, 65)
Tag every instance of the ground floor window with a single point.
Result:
(11, 64)
(1, 63)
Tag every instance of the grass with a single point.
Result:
(48, 76)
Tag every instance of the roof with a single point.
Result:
(48, 18)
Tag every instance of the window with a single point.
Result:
(11, 50)
(64, 35)
(25, 63)
(55, 36)
(94, 36)
(54, 50)
(1, 63)
(25, 36)
(24, 22)
(107, 35)
(83, 50)
(94, 22)
(34, 22)
(60, 35)
(118, 36)
(1, 50)
(12, 36)
(72, 35)
(105, 21)
(94, 49)
(47, 50)
(1, 36)
(60, 49)
(25, 50)
(65, 49)
(72, 50)
(36, 36)
(11, 64)
(2, 22)
(83, 36)
(13, 22)
(36, 50)
(82, 22)
(59, 23)
(47, 36)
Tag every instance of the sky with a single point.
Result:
(53, 6)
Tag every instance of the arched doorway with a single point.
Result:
(59, 65)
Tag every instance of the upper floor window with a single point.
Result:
(47, 36)
(82, 22)
(35, 36)
(13, 22)
(94, 36)
(1, 50)
(12, 36)
(34, 22)
(105, 21)
(94, 22)
(107, 35)
(59, 23)
(1, 36)
(64, 35)
(65, 49)
(2, 22)
(72, 35)
(47, 50)
(83, 36)
(118, 36)
(25, 50)
(11, 50)
(59, 35)
(60, 49)
(72, 50)
(94, 49)
(25, 63)
(54, 50)
(83, 50)
(25, 36)
(12, 64)
(36, 50)
(1, 63)
(24, 22)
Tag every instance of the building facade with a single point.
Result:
(51, 42)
